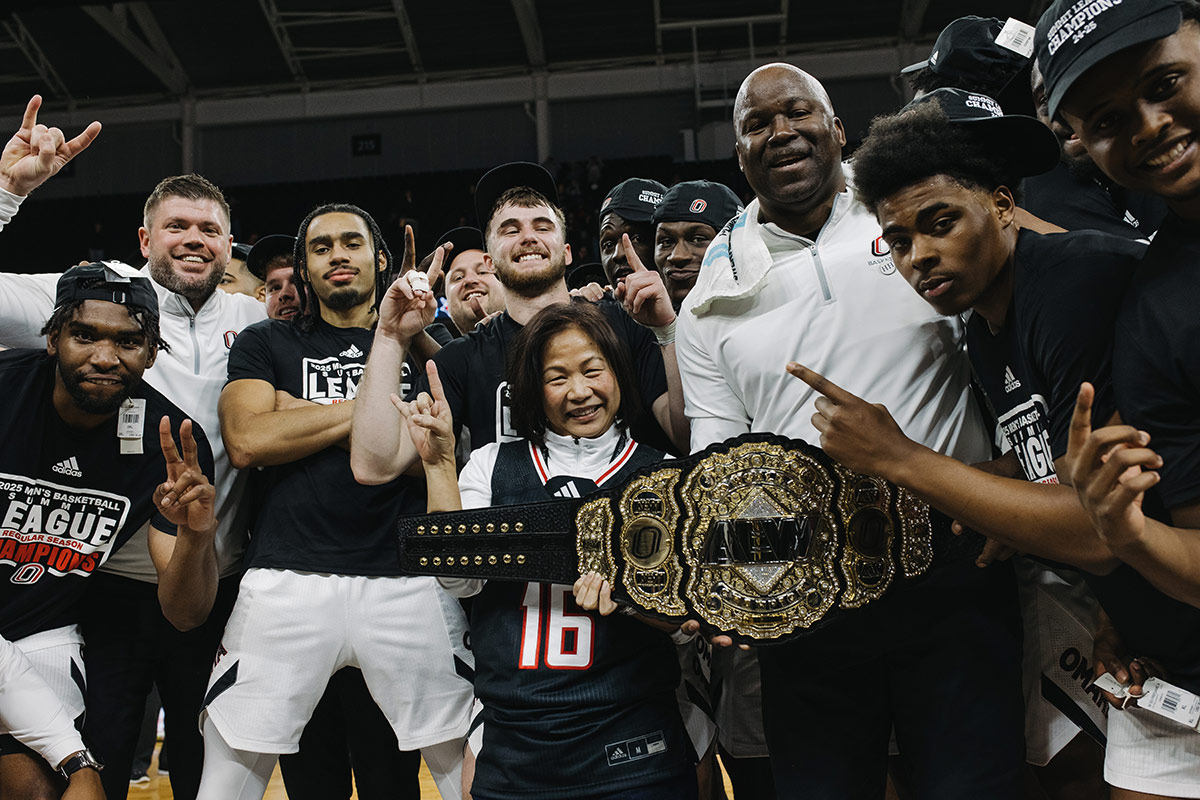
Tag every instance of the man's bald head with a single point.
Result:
(770, 71)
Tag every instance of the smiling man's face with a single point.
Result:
(187, 246)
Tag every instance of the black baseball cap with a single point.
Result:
(499, 180)
(266, 249)
(581, 275)
(967, 50)
(99, 281)
(240, 250)
(633, 200)
(1025, 144)
(464, 238)
(712, 203)
(1073, 36)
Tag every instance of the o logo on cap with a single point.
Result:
(698, 205)
(604, 205)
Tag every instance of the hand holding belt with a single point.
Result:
(761, 538)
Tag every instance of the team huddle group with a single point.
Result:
(996, 311)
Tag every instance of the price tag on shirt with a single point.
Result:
(1016, 36)
(1171, 702)
(131, 425)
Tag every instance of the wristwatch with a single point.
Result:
(77, 761)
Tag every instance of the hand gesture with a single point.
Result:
(405, 311)
(186, 497)
(35, 152)
(858, 435)
(642, 291)
(592, 292)
(692, 626)
(594, 593)
(430, 424)
(1111, 469)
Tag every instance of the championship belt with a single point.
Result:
(761, 538)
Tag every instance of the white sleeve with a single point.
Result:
(31, 712)
(475, 488)
(26, 303)
(715, 412)
(9, 205)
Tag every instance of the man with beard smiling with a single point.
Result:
(185, 239)
(524, 235)
(799, 275)
(83, 473)
(323, 550)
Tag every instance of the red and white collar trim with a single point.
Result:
(613, 467)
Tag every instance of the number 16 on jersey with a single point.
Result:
(551, 634)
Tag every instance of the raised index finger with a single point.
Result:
(410, 250)
(1081, 422)
(31, 112)
(435, 382)
(820, 383)
(631, 256)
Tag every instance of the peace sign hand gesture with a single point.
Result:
(35, 153)
(185, 498)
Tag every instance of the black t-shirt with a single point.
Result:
(575, 704)
(1069, 292)
(1092, 204)
(472, 371)
(1157, 358)
(311, 515)
(1057, 334)
(68, 497)
(1156, 378)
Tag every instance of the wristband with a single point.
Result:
(665, 333)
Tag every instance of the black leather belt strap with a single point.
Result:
(760, 537)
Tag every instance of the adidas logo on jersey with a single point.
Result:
(1131, 220)
(352, 352)
(1011, 384)
(68, 467)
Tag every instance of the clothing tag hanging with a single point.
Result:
(131, 426)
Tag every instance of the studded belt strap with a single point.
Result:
(762, 538)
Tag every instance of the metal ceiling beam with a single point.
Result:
(23, 40)
(284, 41)
(531, 32)
(912, 17)
(783, 23)
(151, 49)
(723, 22)
(410, 36)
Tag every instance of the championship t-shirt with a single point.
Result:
(1092, 204)
(311, 514)
(472, 371)
(1057, 334)
(68, 497)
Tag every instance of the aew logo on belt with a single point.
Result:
(329, 380)
(47, 527)
(881, 256)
